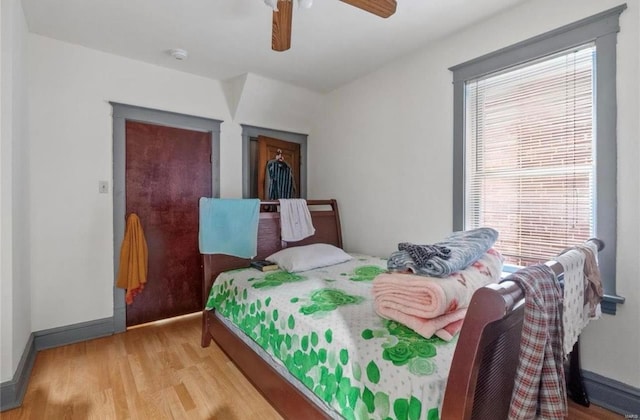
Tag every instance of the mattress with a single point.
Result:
(321, 327)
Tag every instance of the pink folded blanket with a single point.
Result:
(445, 326)
(431, 304)
(448, 332)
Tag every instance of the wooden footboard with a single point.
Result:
(483, 369)
(484, 365)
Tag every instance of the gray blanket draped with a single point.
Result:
(465, 247)
(421, 254)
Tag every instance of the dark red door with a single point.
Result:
(167, 171)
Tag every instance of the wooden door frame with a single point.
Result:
(121, 114)
(249, 132)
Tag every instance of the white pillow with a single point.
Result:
(308, 257)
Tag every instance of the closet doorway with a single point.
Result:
(163, 164)
(294, 152)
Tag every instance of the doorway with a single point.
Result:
(250, 158)
(163, 163)
(288, 154)
(167, 171)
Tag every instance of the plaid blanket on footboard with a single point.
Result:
(540, 385)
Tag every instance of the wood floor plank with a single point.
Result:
(185, 398)
(116, 383)
(156, 371)
(103, 405)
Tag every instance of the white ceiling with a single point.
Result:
(332, 42)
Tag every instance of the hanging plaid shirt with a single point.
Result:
(280, 182)
(540, 388)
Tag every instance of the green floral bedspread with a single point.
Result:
(322, 326)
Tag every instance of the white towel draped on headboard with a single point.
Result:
(295, 220)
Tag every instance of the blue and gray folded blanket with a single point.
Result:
(455, 253)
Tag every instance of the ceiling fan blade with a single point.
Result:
(281, 34)
(382, 8)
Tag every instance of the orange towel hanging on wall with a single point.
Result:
(132, 273)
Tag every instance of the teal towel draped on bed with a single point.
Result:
(229, 226)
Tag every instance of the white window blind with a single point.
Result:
(530, 155)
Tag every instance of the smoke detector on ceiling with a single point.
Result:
(179, 53)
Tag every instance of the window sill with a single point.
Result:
(610, 302)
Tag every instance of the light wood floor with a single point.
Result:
(157, 371)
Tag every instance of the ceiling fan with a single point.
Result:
(283, 13)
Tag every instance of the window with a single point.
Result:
(535, 144)
(529, 155)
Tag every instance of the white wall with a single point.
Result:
(14, 239)
(262, 102)
(382, 146)
(71, 149)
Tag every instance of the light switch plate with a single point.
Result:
(103, 187)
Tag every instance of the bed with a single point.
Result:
(382, 370)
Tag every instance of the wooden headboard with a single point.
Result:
(326, 221)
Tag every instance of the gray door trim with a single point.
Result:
(121, 114)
